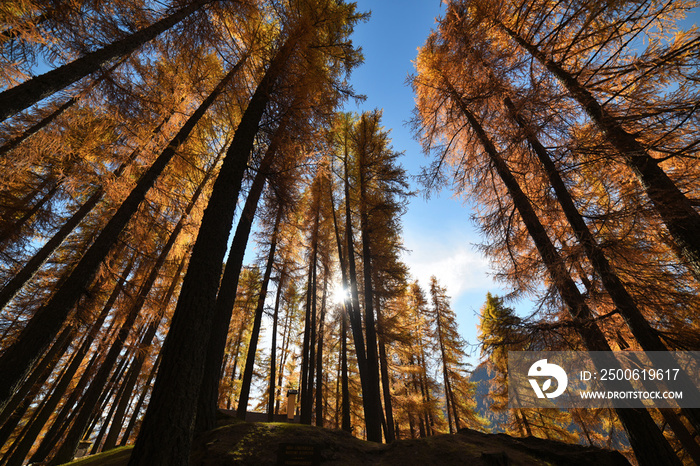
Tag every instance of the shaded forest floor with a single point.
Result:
(246, 443)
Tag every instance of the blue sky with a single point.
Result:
(437, 231)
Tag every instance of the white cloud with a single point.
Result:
(456, 263)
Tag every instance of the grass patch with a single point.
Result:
(117, 457)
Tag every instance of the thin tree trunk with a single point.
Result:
(28, 93)
(273, 351)
(98, 415)
(141, 354)
(142, 398)
(345, 311)
(675, 209)
(307, 401)
(372, 416)
(11, 288)
(310, 316)
(19, 357)
(51, 437)
(69, 446)
(648, 443)
(286, 337)
(252, 347)
(319, 355)
(33, 383)
(49, 407)
(51, 117)
(165, 436)
(384, 373)
(344, 376)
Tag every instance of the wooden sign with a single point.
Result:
(298, 454)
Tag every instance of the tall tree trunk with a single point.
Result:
(372, 393)
(675, 209)
(643, 332)
(51, 117)
(53, 434)
(37, 334)
(449, 398)
(344, 375)
(384, 373)
(319, 353)
(273, 351)
(372, 415)
(305, 397)
(345, 407)
(144, 391)
(142, 352)
(28, 93)
(33, 383)
(226, 297)
(11, 288)
(18, 407)
(253, 346)
(286, 338)
(52, 401)
(70, 444)
(307, 401)
(648, 443)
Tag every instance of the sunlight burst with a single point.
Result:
(339, 294)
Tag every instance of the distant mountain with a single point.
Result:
(482, 376)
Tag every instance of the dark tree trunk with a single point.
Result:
(648, 443)
(319, 353)
(273, 351)
(643, 332)
(28, 93)
(53, 435)
(345, 407)
(253, 346)
(142, 398)
(142, 352)
(31, 388)
(30, 268)
(52, 401)
(384, 373)
(166, 436)
(69, 446)
(19, 357)
(91, 400)
(33, 383)
(309, 317)
(98, 414)
(43, 123)
(344, 376)
(372, 419)
(372, 415)
(675, 209)
(226, 297)
(307, 400)
(286, 338)
(50, 118)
